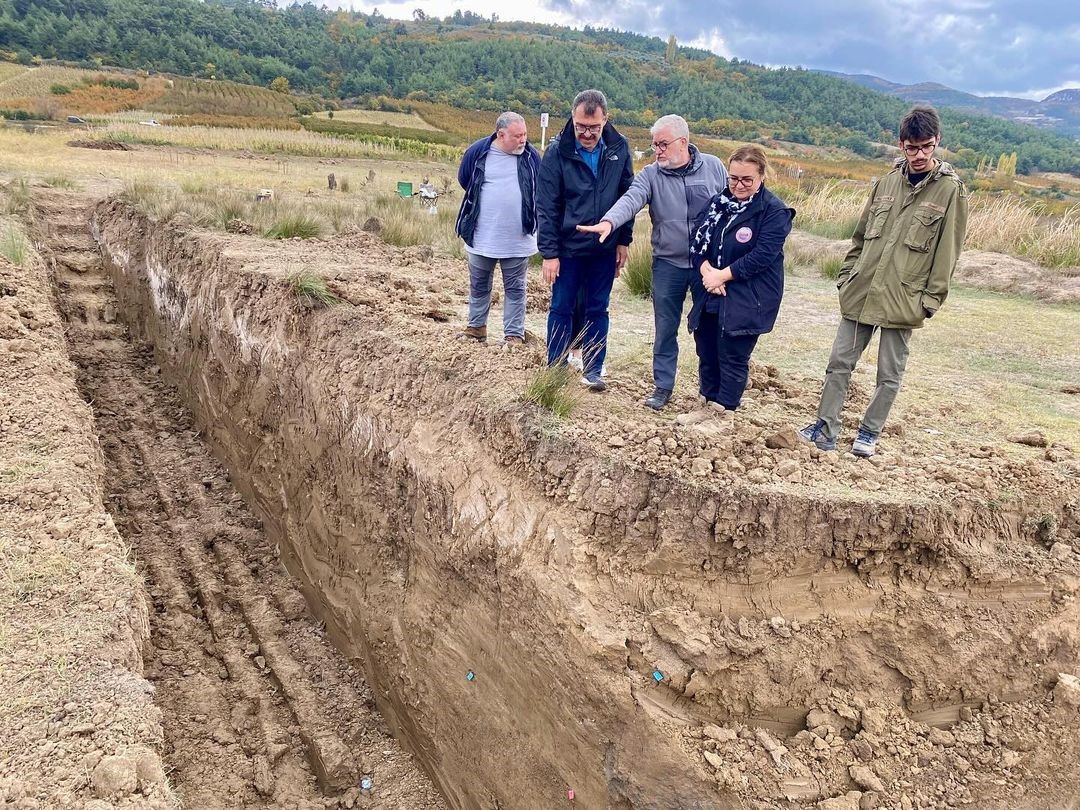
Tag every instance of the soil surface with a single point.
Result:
(636, 609)
(258, 708)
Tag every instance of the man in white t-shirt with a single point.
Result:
(497, 221)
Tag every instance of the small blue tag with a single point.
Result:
(657, 675)
(470, 675)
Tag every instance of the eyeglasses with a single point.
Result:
(741, 181)
(911, 149)
(662, 146)
(587, 129)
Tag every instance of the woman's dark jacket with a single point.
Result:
(757, 266)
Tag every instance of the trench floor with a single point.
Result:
(259, 709)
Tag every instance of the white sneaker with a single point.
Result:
(603, 370)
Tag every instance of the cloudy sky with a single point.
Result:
(1001, 47)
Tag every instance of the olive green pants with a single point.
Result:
(852, 338)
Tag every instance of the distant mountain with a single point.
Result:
(1059, 111)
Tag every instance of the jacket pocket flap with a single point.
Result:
(928, 216)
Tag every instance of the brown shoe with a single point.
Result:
(476, 333)
(514, 340)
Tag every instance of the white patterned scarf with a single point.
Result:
(722, 206)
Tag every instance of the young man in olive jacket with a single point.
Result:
(895, 275)
(584, 171)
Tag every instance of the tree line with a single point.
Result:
(476, 62)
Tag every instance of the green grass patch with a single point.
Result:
(14, 247)
(637, 274)
(59, 181)
(360, 129)
(551, 388)
(830, 266)
(312, 289)
(295, 226)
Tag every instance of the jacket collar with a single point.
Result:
(942, 169)
(695, 163)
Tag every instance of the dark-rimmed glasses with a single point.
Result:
(587, 129)
(741, 181)
(662, 146)
(912, 149)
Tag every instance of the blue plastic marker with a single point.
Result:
(657, 675)
(366, 783)
(470, 675)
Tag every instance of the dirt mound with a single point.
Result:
(1001, 273)
(106, 145)
(599, 605)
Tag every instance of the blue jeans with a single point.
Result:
(481, 275)
(592, 276)
(669, 285)
(723, 362)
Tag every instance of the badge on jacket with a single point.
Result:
(743, 235)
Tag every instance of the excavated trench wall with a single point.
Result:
(439, 534)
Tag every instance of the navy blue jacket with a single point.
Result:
(471, 178)
(570, 195)
(757, 266)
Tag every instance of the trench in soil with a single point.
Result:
(435, 537)
(259, 709)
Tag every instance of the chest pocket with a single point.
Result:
(925, 224)
(879, 212)
(697, 197)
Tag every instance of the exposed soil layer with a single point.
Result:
(258, 708)
(651, 613)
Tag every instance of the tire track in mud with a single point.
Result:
(259, 710)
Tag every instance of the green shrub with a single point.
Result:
(59, 89)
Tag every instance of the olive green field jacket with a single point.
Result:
(904, 249)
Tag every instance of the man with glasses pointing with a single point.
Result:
(895, 276)
(584, 171)
(676, 187)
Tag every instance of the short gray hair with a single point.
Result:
(676, 123)
(592, 99)
(506, 119)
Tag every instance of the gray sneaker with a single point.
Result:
(865, 444)
(594, 382)
(815, 434)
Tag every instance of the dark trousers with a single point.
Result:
(723, 362)
(669, 285)
(592, 277)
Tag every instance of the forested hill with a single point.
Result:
(473, 62)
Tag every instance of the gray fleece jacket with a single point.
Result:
(675, 198)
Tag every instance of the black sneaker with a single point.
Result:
(658, 399)
(595, 382)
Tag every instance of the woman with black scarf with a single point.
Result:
(738, 249)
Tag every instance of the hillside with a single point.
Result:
(471, 62)
(1059, 112)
